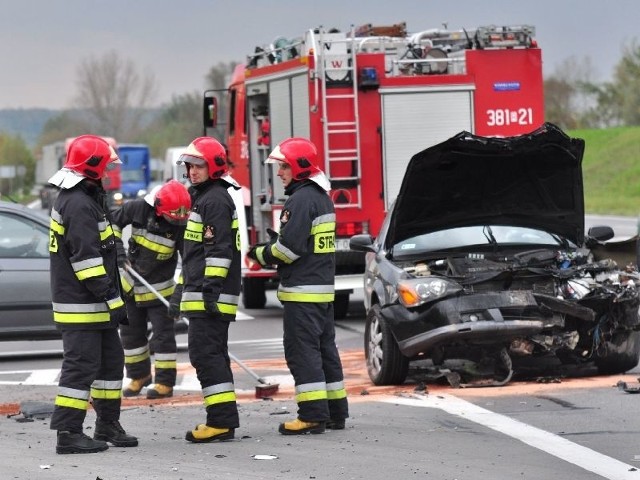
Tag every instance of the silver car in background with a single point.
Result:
(25, 296)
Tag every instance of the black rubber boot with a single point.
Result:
(73, 442)
(113, 433)
(335, 424)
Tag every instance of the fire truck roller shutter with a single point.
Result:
(288, 114)
(300, 107)
(409, 126)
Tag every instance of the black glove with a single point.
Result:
(211, 305)
(273, 235)
(119, 315)
(117, 312)
(252, 253)
(173, 310)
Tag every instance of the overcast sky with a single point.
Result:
(42, 42)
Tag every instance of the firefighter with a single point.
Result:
(211, 284)
(87, 302)
(304, 253)
(157, 227)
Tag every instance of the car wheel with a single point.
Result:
(254, 292)
(623, 353)
(340, 306)
(385, 364)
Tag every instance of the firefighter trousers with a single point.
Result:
(92, 368)
(209, 355)
(313, 360)
(138, 347)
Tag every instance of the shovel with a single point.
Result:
(264, 390)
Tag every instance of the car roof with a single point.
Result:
(37, 215)
(532, 180)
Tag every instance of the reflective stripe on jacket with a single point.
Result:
(304, 250)
(84, 270)
(152, 251)
(211, 257)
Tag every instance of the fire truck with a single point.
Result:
(369, 98)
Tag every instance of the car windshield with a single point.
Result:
(20, 237)
(475, 236)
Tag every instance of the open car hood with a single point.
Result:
(533, 180)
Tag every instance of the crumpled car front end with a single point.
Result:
(484, 254)
(572, 307)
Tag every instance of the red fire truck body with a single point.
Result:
(370, 99)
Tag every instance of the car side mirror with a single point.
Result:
(210, 109)
(601, 233)
(362, 243)
(598, 234)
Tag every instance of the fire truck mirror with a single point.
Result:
(210, 111)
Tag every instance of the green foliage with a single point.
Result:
(573, 100)
(26, 122)
(68, 123)
(611, 170)
(626, 85)
(14, 152)
(178, 124)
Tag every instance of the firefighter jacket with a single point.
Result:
(153, 251)
(304, 250)
(211, 252)
(85, 283)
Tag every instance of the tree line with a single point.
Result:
(573, 100)
(115, 99)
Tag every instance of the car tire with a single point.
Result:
(623, 353)
(385, 364)
(254, 292)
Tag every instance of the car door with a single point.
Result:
(25, 296)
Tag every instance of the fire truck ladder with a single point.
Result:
(336, 73)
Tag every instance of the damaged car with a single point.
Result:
(483, 257)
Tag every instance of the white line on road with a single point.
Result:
(559, 447)
(240, 315)
(43, 377)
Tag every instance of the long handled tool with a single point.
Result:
(264, 390)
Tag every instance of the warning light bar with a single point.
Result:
(505, 37)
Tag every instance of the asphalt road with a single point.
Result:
(539, 428)
(529, 429)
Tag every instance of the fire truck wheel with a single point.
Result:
(340, 306)
(253, 292)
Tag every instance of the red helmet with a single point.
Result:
(207, 150)
(300, 154)
(89, 156)
(173, 202)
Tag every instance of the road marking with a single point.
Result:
(240, 315)
(555, 445)
(49, 377)
(260, 341)
(43, 377)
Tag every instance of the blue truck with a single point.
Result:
(135, 169)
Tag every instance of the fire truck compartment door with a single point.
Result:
(289, 117)
(414, 119)
(289, 108)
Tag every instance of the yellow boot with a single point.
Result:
(204, 434)
(136, 385)
(300, 427)
(159, 391)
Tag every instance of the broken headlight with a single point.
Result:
(415, 292)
